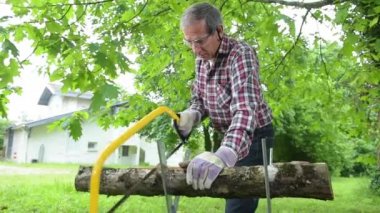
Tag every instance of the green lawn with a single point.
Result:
(54, 192)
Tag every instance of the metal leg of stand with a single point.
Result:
(176, 198)
(163, 167)
(270, 156)
(266, 177)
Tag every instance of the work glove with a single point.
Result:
(187, 120)
(204, 168)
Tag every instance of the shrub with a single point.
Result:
(375, 183)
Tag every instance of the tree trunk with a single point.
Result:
(294, 179)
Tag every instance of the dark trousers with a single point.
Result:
(254, 157)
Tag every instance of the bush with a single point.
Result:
(375, 182)
(362, 159)
(302, 135)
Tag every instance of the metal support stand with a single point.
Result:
(176, 198)
(163, 168)
(171, 203)
(266, 177)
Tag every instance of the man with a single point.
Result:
(227, 89)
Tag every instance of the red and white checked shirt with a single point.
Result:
(228, 91)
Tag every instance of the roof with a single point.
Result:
(48, 120)
(42, 121)
(56, 89)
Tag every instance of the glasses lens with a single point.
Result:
(196, 42)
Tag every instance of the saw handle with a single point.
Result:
(175, 125)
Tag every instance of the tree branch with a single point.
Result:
(297, 3)
(295, 42)
(81, 15)
(137, 14)
(301, 3)
(65, 4)
(322, 58)
(34, 50)
(145, 21)
(63, 16)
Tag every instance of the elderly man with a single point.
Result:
(227, 90)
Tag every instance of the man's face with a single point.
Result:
(202, 43)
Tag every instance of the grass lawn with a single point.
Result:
(54, 192)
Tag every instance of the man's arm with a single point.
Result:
(193, 115)
(245, 96)
(196, 99)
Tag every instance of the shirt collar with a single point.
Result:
(224, 46)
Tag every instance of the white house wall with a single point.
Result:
(65, 104)
(81, 104)
(39, 144)
(54, 145)
(150, 149)
(19, 147)
(59, 147)
(55, 105)
(72, 104)
(92, 132)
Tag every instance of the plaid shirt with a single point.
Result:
(228, 91)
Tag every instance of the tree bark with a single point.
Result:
(294, 179)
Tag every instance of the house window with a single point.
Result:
(128, 151)
(92, 146)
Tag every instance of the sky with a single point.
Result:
(33, 83)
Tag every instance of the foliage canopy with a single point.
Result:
(324, 95)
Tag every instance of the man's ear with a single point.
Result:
(219, 29)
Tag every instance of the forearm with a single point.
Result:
(245, 97)
(239, 138)
(197, 105)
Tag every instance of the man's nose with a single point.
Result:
(196, 48)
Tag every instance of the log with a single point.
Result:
(292, 179)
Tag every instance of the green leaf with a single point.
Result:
(9, 46)
(19, 34)
(54, 27)
(110, 91)
(104, 61)
(377, 9)
(342, 13)
(75, 128)
(3, 30)
(93, 47)
(103, 94)
(349, 44)
(374, 21)
(79, 12)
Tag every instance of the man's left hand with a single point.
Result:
(204, 168)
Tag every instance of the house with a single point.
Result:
(34, 142)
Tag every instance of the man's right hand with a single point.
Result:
(187, 120)
(206, 167)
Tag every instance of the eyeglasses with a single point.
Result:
(197, 42)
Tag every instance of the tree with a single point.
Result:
(88, 44)
(4, 124)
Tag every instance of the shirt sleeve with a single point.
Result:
(245, 89)
(196, 100)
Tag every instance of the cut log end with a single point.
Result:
(294, 179)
